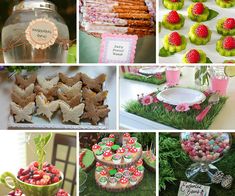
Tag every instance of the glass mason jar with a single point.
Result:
(35, 33)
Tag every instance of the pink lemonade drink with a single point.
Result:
(172, 76)
(219, 85)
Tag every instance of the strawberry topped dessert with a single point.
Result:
(174, 42)
(226, 46)
(173, 4)
(199, 34)
(173, 20)
(194, 56)
(226, 26)
(225, 3)
(198, 12)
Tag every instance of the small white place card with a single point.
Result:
(191, 189)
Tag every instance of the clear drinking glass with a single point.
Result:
(219, 81)
(50, 37)
(172, 75)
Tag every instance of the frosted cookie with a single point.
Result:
(47, 83)
(44, 107)
(70, 81)
(71, 114)
(22, 114)
(95, 84)
(23, 92)
(22, 101)
(70, 91)
(24, 82)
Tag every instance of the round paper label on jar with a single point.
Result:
(41, 33)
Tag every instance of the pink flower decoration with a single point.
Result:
(207, 93)
(168, 107)
(183, 107)
(147, 100)
(155, 100)
(196, 107)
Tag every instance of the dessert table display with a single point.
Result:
(197, 32)
(219, 181)
(40, 178)
(117, 18)
(118, 168)
(183, 106)
(57, 99)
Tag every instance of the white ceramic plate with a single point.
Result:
(175, 96)
(151, 70)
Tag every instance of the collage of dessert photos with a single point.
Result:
(117, 97)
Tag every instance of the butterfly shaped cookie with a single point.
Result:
(50, 94)
(44, 107)
(72, 102)
(22, 114)
(23, 92)
(47, 83)
(70, 81)
(70, 91)
(94, 84)
(22, 101)
(95, 113)
(71, 114)
(24, 82)
(91, 97)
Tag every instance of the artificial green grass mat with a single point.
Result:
(146, 187)
(152, 80)
(226, 165)
(180, 120)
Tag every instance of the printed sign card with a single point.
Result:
(191, 189)
(117, 48)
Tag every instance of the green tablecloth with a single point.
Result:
(89, 48)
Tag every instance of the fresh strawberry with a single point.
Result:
(198, 8)
(229, 23)
(173, 17)
(175, 1)
(175, 39)
(229, 43)
(202, 31)
(193, 56)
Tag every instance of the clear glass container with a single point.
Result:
(204, 149)
(35, 33)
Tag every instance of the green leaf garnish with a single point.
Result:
(164, 53)
(40, 143)
(208, 60)
(212, 14)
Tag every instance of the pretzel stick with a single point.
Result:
(133, 16)
(141, 8)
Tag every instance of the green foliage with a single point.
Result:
(19, 69)
(180, 120)
(202, 75)
(170, 153)
(40, 143)
(152, 80)
(146, 139)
